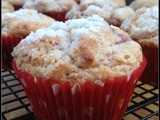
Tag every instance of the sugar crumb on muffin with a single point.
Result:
(143, 24)
(49, 5)
(107, 9)
(23, 21)
(78, 50)
(120, 14)
(137, 4)
(118, 3)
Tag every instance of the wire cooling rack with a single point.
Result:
(15, 106)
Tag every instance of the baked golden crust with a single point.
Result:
(137, 4)
(113, 13)
(7, 7)
(143, 24)
(78, 50)
(24, 21)
(46, 6)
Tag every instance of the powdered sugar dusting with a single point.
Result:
(80, 31)
(145, 25)
(86, 8)
(151, 15)
(77, 27)
(98, 2)
(40, 33)
(49, 5)
(94, 23)
(24, 13)
(59, 25)
(23, 21)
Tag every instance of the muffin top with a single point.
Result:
(113, 2)
(118, 2)
(136, 4)
(78, 50)
(107, 9)
(23, 21)
(143, 24)
(119, 15)
(6, 7)
(49, 5)
(16, 2)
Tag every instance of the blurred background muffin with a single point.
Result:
(18, 25)
(136, 4)
(16, 3)
(6, 7)
(142, 27)
(81, 69)
(54, 8)
(113, 11)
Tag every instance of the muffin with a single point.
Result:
(137, 4)
(16, 3)
(6, 7)
(18, 25)
(81, 69)
(54, 8)
(142, 27)
(114, 12)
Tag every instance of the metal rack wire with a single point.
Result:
(15, 106)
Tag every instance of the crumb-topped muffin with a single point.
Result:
(23, 21)
(53, 8)
(137, 4)
(85, 66)
(17, 25)
(143, 24)
(7, 7)
(112, 11)
(142, 27)
(77, 50)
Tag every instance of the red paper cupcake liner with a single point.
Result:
(58, 16)
(8, 43)
(150, 74)
(52, 100)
